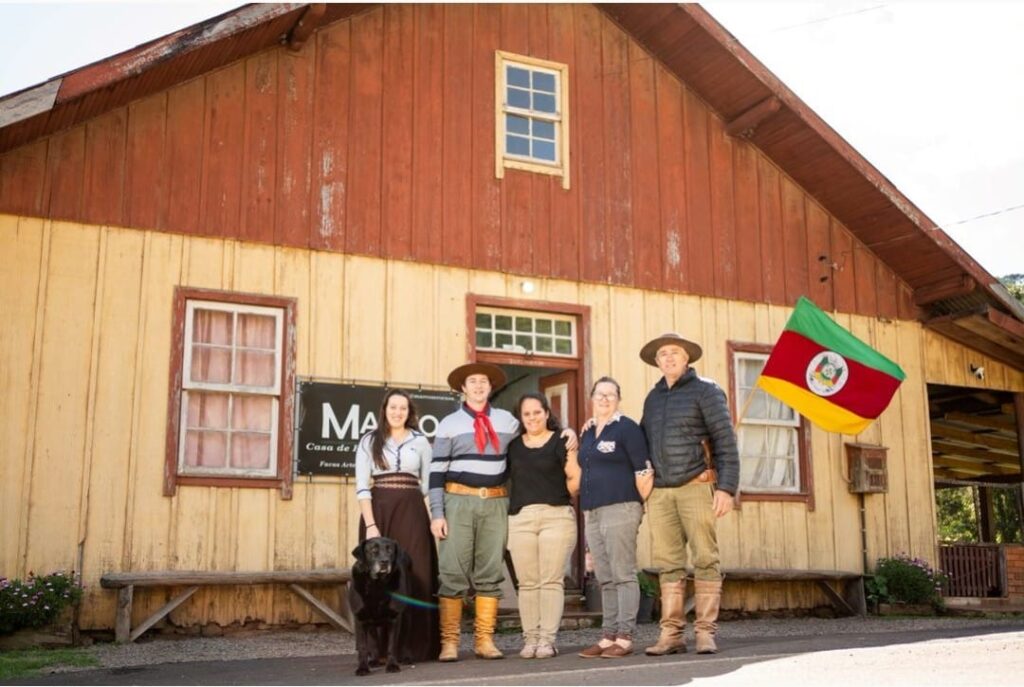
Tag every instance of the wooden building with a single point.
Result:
(287, 192)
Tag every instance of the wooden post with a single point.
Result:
(1018, 412)
(986, 514)
(123, 626)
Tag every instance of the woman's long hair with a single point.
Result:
(537, 396)
(383, 431)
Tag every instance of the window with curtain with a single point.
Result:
(773, 457)
(231, 411)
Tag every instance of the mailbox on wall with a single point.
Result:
(867, 468)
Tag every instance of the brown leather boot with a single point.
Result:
(707, 596)
(483, 628)
(451, 622)
(673, 620)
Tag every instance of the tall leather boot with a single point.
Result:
(673, 620)
(451, 626)
(707, 596)
(483, 628)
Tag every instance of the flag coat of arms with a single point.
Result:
(827, 374)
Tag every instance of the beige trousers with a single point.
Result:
(679, 516)
(540, 538)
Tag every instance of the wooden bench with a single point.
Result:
(850, 602)
(126, 582)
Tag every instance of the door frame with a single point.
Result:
(581, 363)
(579, 366)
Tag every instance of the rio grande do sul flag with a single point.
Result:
(827, 374)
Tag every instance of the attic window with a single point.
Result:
(532, 122)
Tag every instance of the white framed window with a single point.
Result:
(769, 435)
(532, 116)
(230, 389)
(525, 332)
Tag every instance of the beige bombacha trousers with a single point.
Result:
(679, 516)
(540, 539)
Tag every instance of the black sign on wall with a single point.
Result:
(333, 416)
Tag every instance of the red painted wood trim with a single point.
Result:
(286, 416)
(806, 494)
(582, 363)
(174, 392)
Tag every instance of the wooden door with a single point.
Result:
(561, 390)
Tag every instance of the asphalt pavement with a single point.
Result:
(994, 654)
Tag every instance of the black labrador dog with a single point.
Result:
(380, 577)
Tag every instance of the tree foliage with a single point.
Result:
(958, 519)
(1014, 283)
(957, 514)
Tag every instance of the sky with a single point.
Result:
(929, 92)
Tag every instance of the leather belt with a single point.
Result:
(708, 476)
(482, 492)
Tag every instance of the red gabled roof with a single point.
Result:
(708, 59)
(83, 93)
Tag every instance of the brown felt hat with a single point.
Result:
(650, 349)
(457, 377)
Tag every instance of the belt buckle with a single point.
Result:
(483, 492)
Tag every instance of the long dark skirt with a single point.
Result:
(400, 514)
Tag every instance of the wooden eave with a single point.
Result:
(986, 330)
(83, 93)
(684, 37)
(710, 61)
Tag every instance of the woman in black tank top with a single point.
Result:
(545, 476)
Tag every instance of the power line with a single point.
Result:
(825, 19)
(820, 20)
(994, 213)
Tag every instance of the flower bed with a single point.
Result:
(36, 601)
(902, 580)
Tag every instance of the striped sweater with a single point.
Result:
(457, 458)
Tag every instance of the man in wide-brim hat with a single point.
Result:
(696, 475)
(469, 506)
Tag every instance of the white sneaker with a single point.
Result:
(529, 650)
(546, 651)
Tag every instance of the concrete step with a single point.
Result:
(571, 620)
(970, 605)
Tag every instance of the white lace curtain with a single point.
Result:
(768, 450)
(230, 429)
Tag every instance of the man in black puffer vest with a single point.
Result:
(696, 474)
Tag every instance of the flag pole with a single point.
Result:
(736, 430)
(746, 406)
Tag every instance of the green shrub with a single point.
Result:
(647, 585)
(906, 579)
(36, 601)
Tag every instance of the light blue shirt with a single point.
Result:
(412, 456)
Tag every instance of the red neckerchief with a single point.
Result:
(482, 428)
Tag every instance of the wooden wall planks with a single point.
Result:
(108, 288)
(377, 139)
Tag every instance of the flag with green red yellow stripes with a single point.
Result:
(827, 374)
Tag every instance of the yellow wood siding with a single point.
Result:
(83, 372)
(947, 362)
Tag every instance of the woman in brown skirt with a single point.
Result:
(392, 474)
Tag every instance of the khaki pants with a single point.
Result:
(474, 550)
(540, 538)
(679, 516)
